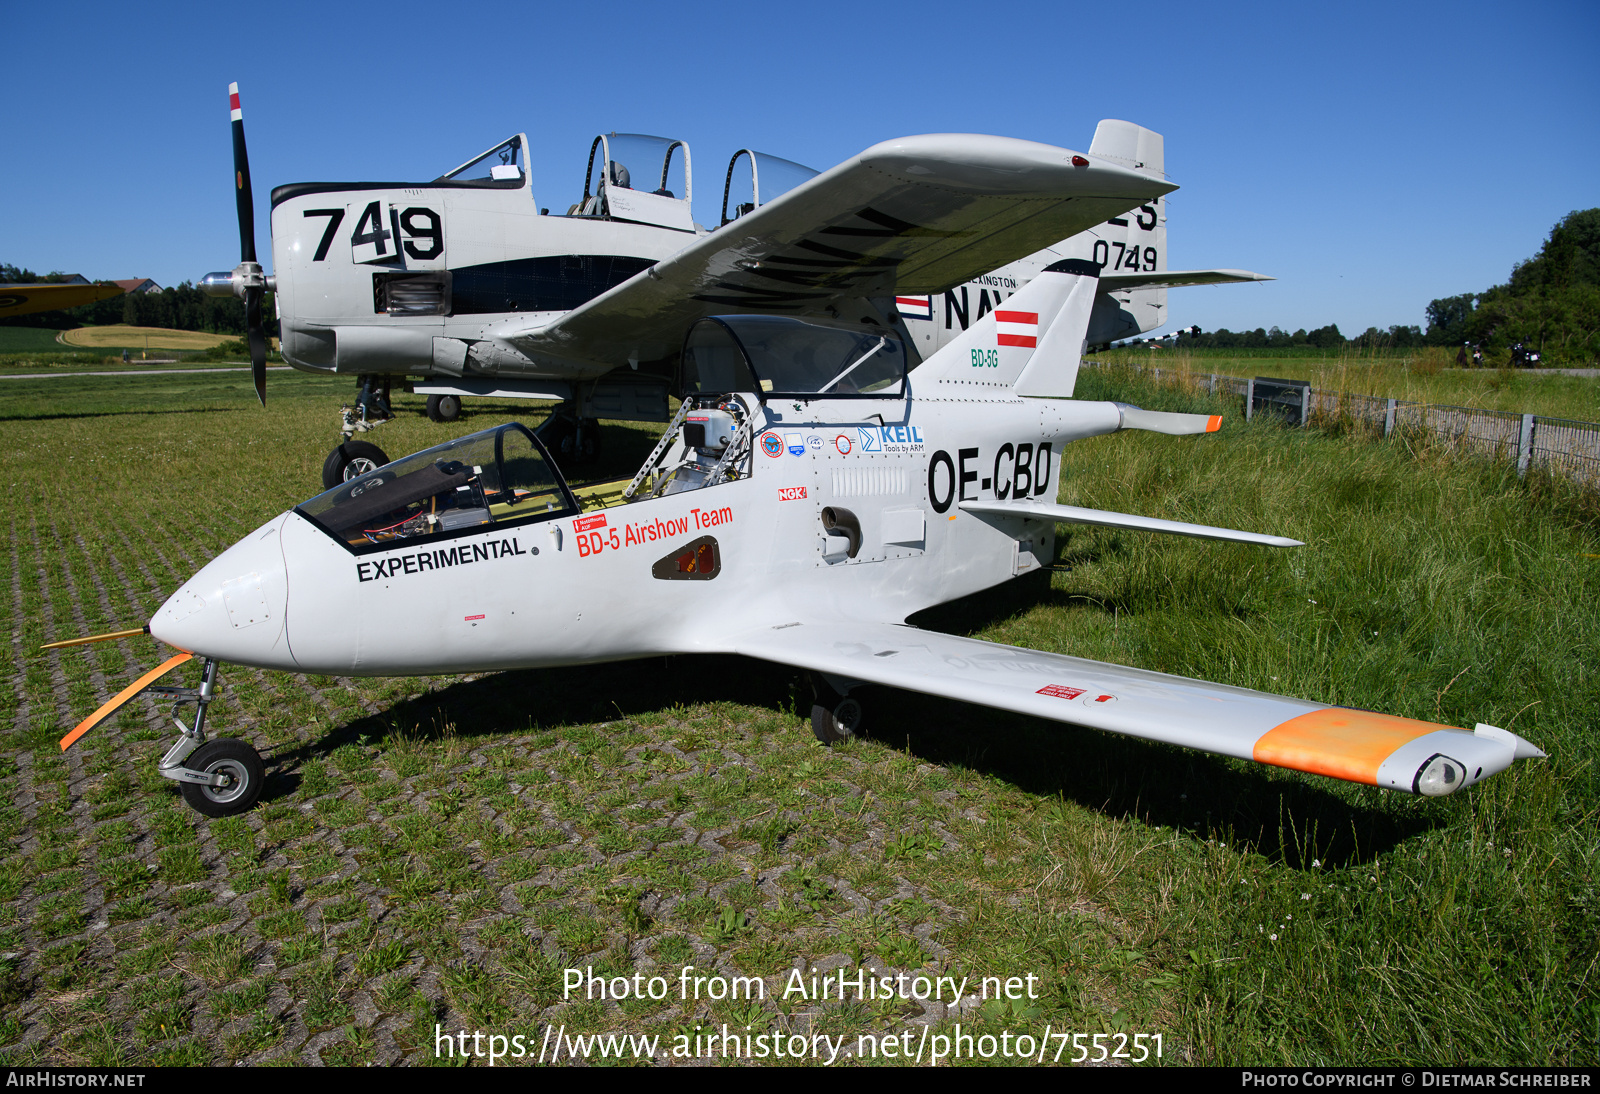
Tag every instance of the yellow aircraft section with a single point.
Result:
(23, 299)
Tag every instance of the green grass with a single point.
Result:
(1424, 376)
(31, 340)
(441, 849)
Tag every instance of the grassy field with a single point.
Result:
(1422, 379)
(121, 336)
(29, 340)
(436, 851)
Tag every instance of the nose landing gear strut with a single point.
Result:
(217, 778)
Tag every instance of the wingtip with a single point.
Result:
(1214, 423)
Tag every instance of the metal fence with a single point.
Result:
(1558, 446)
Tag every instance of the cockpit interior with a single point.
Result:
(503, 477)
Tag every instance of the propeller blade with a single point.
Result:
(111, 705)
(241, 181)
(243, 196)
(258, 342)
(96, 638)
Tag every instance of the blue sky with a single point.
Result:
(1372, 156)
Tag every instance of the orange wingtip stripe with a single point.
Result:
(1214, 423)
(1339, 742)
(111, 705)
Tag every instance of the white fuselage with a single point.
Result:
(485, 254)
(580, 588)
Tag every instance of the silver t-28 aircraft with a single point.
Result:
(813, 491)
(467, 287)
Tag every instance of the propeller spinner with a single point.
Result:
(247, 279)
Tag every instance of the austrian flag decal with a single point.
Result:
(1017, 328)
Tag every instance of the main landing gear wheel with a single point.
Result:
(444, 408)
(587, 441)
(834, 717)
(240, 767)
(350, 460)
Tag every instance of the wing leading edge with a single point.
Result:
(1344, 743)
(915, 215)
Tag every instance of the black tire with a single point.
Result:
(560, 439)
(587, 443)
(834, 717)
(444, 408)
(351, 460)
(240, 762)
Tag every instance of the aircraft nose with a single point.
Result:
(234, 608)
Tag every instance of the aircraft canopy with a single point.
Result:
(781, 356)
(500, 476)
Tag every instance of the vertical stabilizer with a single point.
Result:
(1135, 242)
(1030, 346)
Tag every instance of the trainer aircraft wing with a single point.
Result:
(25, 299)
(1173, 279)
(915, 215)
(1357, 745)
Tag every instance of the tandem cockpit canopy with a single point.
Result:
(500, 476)
(503, 166)
(776, 356)
(755, 178)
(637, 177)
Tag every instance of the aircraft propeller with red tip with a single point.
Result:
(247, 279)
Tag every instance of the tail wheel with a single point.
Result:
(350, 460)
(834, 717)
(444, 408)
(243, 776)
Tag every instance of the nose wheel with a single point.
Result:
(350, 460)
(217, 778)
(234, 777)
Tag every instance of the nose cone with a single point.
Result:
(234, 608)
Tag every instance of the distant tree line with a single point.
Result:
(1327, 337)
(1550, 305)
(182, 308)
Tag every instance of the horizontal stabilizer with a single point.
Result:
(1071, 514)
(1356, 745)
(1172, 279)
(1163, 421)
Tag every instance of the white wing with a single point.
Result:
(1072, 514)
(1357, 745)
(915, 215)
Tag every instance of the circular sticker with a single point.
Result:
(842, 443)
(814, 443)
(772, 444)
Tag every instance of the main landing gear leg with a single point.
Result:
(569, 439)
(217, 778)
(354, 458)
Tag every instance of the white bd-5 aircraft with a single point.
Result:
(813, 491)
(466, 287)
